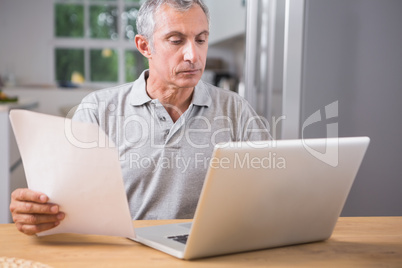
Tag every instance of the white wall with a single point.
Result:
(228, 19)
(26, 29)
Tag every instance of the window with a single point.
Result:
(94, 41)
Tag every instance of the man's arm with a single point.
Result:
(32, 213)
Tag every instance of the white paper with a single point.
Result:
(77, 167)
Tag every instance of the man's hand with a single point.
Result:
(32, 213)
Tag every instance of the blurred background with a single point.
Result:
(289, 58)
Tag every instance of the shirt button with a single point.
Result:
(166, 132)
(162, 118)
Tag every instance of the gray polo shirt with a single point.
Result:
(164, 163)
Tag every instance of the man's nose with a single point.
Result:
(190, 52)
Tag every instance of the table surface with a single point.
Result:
(356, 242)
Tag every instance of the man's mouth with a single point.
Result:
(191, 71)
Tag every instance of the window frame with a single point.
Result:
(120, 45)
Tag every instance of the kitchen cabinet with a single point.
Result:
(228, 19)
(12, 175)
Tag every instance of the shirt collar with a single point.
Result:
(201, 96)
(139, 96)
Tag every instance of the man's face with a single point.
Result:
(180, 47)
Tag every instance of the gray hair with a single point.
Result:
(146, 14)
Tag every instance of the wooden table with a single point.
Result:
(356, 242)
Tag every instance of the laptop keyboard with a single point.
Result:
(179, 238)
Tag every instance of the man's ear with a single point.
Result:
(143, 46)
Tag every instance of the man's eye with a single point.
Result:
(201, 41)
(175, 41)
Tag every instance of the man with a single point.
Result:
(164, 125)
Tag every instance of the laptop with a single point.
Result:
(260, 195)
(256, 195)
